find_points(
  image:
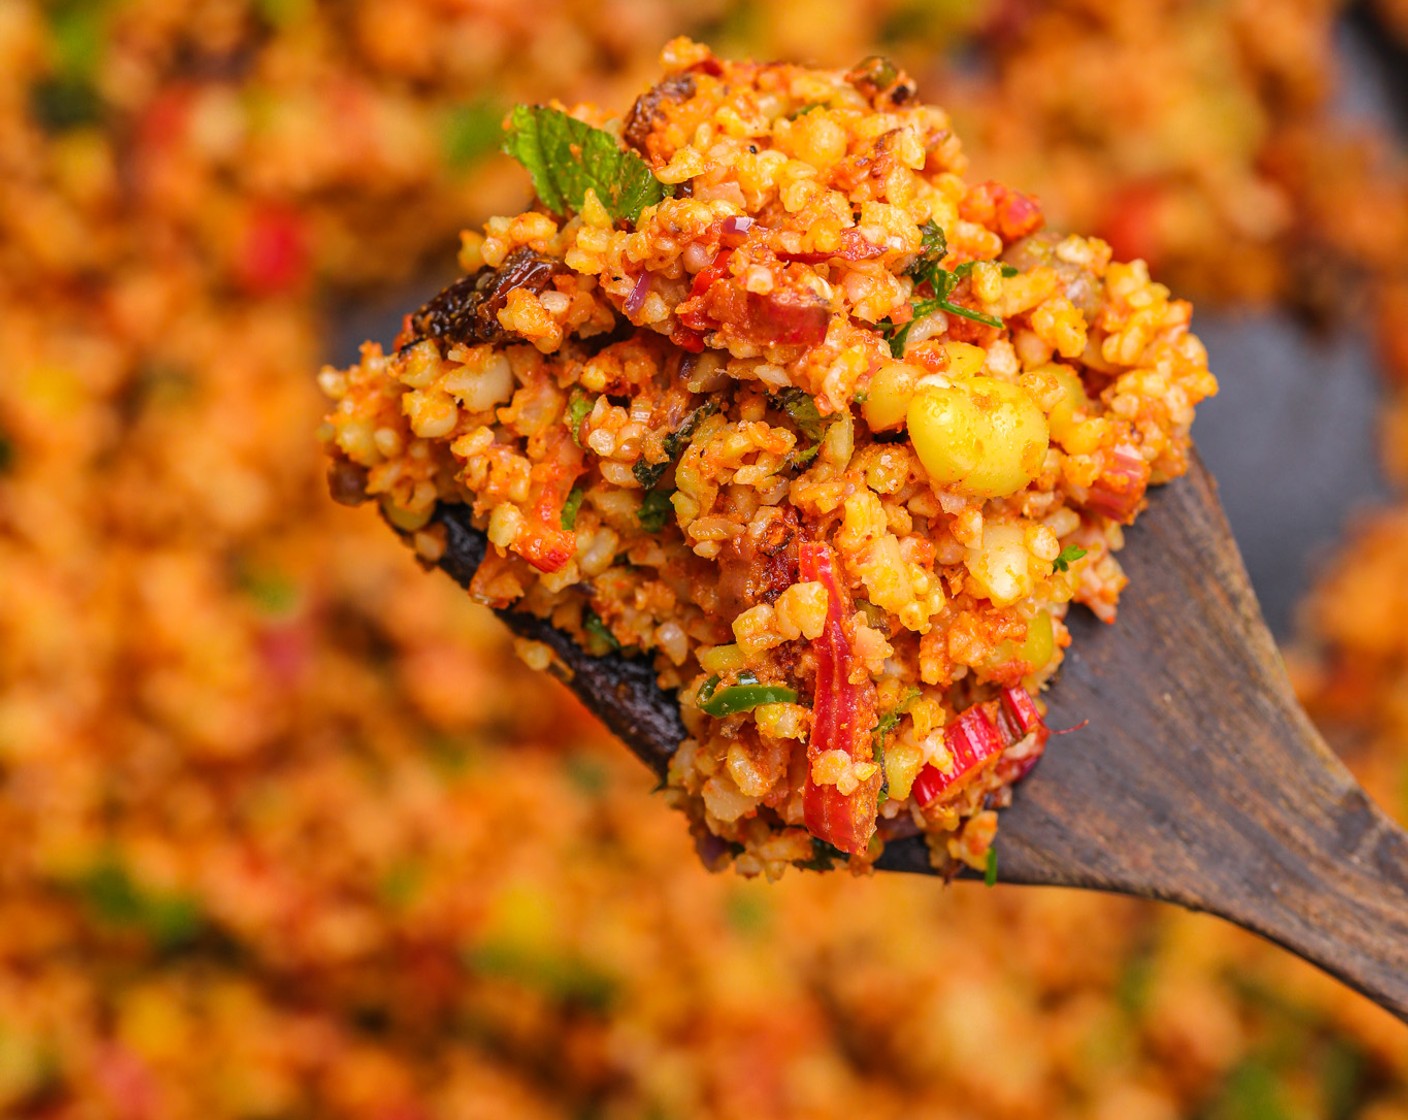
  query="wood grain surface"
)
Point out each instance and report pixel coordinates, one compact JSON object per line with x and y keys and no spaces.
{"x":1198,"y":781}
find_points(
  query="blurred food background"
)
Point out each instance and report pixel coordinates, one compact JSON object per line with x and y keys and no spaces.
{"x":284,"y":828}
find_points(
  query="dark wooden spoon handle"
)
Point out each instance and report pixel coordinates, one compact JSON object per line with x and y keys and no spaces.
{"x":1200,"y":780}
{"x":620,"y":691}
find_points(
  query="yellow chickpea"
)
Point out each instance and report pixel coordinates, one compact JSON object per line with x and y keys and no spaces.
{"x":964,"y":359}
{"x":1065,"y":416}
{"x":1013,"y":437}
{"x":944,"y":426}
{"x":888,"y":396}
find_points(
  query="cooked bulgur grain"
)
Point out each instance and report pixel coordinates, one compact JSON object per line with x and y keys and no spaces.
{"x":841,"y":427}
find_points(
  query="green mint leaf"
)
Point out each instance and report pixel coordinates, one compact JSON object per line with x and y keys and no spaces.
{"x":571,"y":506}
{"x":566,"y":158}
{"x":655,"y":511}
{"x":1069,"y":555}
{"x":470,"y":131}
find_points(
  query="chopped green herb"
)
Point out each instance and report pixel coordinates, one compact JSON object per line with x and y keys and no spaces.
{"x":600,"y":633}
{"x":990,"y":875}
{"x":890,"y":719}
{"x":1253,"y":1090}
{"x":677,"y":440}
{"x":803,"y":411}
{"x":824,"y":856}
{"x":61,"y":104}
{"x":883,"y":727}
{"x":862,"y":395}
{"x":798,"y":459}
{"x":1069,"y":555}
{"x":115,"y":900}
{"x":932,"y":250}
{"x":743,"y":696}
{"x":571,"y":506}
{"x":877,"y":71}
{"x":68,"y":98}
{"x":567,"y":157}
{"x":77,"y":35}
{"x":284,"y":13}
{"x":402,"y":883}
{"x":586,"y":773}
{"x":927,"y":270}
{"x":805,"y":109}
{"x":564,"y":977}
{"x":649,"y":474}
{"x":273,"y":592}
{"x":655,"y":511}
{"x":471,"y":131}
{"x":747,"y":911}
{"x":578,"y":405}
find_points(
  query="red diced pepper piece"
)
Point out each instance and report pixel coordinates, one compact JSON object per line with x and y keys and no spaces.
{"x":1011,"y":213}
{"x":974,"y":745}
{"x":853,"y":247}
{"x":785,"y":316}
{"x":1119,"y":490}
{"x":843,"y":715}
{"x":691,"y":311}
{"x":1017,"y":717}
{"x":274,"y":256}
{"x":544,"y":543}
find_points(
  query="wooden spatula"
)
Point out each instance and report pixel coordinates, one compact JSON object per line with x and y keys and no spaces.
{"x":1199,"y":780}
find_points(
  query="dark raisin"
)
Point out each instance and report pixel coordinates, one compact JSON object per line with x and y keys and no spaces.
{"x":467,"y":311}
{"x":347,"y":482}
{"x":649,"y":110}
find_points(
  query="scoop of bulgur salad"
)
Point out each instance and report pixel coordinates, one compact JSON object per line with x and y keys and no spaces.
{"x":763,"y":389}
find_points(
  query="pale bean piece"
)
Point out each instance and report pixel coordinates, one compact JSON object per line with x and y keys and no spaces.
{"x":1001,"y":565}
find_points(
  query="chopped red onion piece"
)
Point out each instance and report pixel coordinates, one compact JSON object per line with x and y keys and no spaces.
{"x":735,"y":229}
{"x":636,"y":300}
